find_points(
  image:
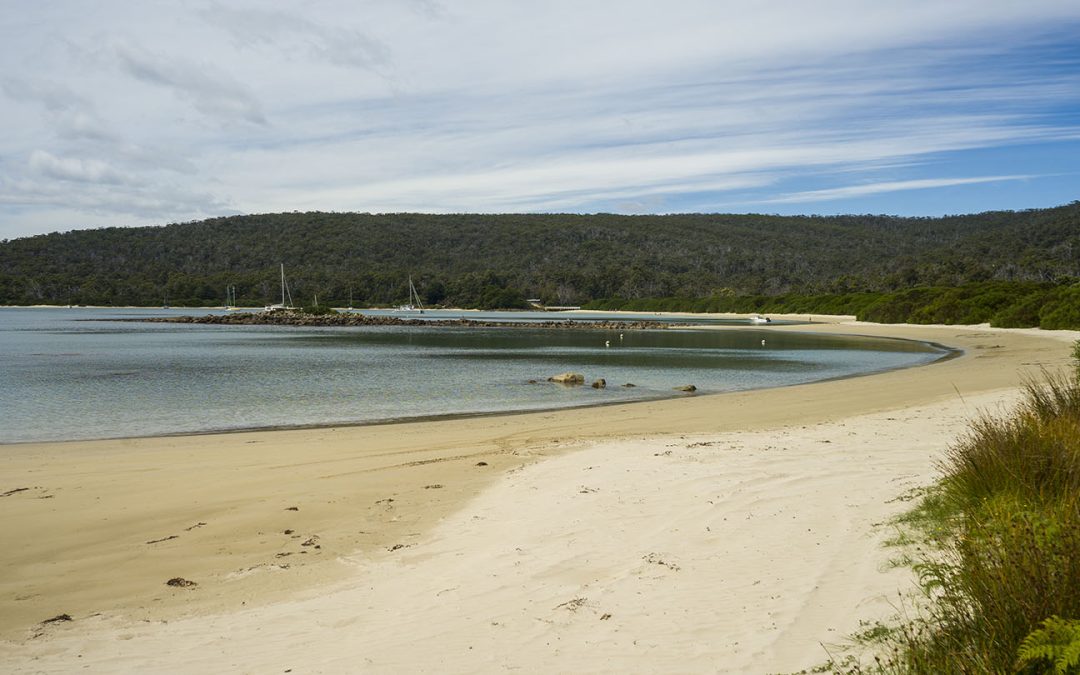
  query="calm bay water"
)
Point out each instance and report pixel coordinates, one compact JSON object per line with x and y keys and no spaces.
{"x":71,"y":374}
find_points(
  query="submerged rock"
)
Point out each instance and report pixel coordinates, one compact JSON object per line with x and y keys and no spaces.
{"x":568,"y":378}
{"x":686,"y":387}
{"x":599,"y":383}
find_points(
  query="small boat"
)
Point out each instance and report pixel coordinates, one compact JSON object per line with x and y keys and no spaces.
{"x":413,"y":304}
{"x":281,"y":306}
{"x":758,"y":319}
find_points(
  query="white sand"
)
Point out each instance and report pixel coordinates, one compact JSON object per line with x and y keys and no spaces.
{"x":737,"y":552}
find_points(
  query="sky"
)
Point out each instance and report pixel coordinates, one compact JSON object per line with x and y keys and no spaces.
{"x":119,"y":113}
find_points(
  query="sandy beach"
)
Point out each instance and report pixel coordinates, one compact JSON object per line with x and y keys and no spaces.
{"x":727,"y":533}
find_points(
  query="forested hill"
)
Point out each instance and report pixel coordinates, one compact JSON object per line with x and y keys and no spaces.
{"x":493,"y":260}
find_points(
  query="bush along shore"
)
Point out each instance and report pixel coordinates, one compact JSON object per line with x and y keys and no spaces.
{"x":998,"y":549}
{"x":301,"y":318}
{"x":1004,"y":304}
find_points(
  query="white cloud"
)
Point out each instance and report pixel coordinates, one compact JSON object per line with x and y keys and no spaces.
{"x":280,"y":30}
{"x":54,"y":97}
{"x":74,"y":169}
{"x":210,"y":90}
{"x":47,"y":206}
{"x":887,"y":186}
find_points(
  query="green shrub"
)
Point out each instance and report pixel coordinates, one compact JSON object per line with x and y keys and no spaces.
{"x":1054,"y":646}
{"x":1034,"y":455}
{"x":1063,"y":312}
{"x":899,"y":307}
{"x":1006,"y":522}
{"x":318,"y":310}
{"x":1022,"y":313}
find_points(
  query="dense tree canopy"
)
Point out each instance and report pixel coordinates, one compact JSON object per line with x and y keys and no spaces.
{"x":1005,"y":304}
{"x":473,"y":260}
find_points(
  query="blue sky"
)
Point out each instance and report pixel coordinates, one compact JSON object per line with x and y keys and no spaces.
{"x":118,"y":113}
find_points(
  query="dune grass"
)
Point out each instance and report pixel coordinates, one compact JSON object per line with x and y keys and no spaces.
{"x":999,"y":561}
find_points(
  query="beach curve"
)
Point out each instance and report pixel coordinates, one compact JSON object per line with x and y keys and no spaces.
{"x":103,"y":524}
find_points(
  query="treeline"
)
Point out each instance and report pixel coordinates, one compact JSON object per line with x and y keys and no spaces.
{"x":486,"y":290}
{"x":1050,"y":306}
{"x":471,"y":260}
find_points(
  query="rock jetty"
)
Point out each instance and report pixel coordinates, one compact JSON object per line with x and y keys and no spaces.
{"x":352,"y":319}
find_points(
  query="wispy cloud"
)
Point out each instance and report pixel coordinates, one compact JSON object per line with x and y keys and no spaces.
{"x":75,"y":169}
{"x":887,"y":186}
{"x":73,"y":114}
{"x":120,"y":203}
{"x":210,"y":90}
{"x":280,"y":30}
{"x":53,"y":96}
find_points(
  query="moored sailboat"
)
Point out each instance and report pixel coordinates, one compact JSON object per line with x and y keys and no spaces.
{"x":230,"y":298}
{"x":413,"y":304}
{"x":281,"y":306}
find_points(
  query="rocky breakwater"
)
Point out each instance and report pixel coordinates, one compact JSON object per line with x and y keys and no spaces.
{"x":351,"y":319}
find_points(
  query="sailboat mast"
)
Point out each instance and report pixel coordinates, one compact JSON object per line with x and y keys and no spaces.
{"x":414,"y":297}
{"x":283,"y":284}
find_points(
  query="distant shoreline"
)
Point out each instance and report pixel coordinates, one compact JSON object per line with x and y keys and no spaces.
{"x":809,"y":317}
{"x":357,"y":319}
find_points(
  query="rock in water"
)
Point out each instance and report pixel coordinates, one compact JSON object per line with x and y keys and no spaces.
{"x":568,"y":378}
{"x":599,"y":384}
{"x":686,"y":387}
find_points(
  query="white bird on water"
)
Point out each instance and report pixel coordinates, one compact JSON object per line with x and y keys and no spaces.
{"x":607,"y":343}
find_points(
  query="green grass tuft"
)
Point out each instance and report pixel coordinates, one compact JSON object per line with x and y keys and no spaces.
{"x":997,"y":549}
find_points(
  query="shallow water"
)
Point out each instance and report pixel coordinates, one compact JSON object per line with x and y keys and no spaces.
{"x":72,"y":374}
